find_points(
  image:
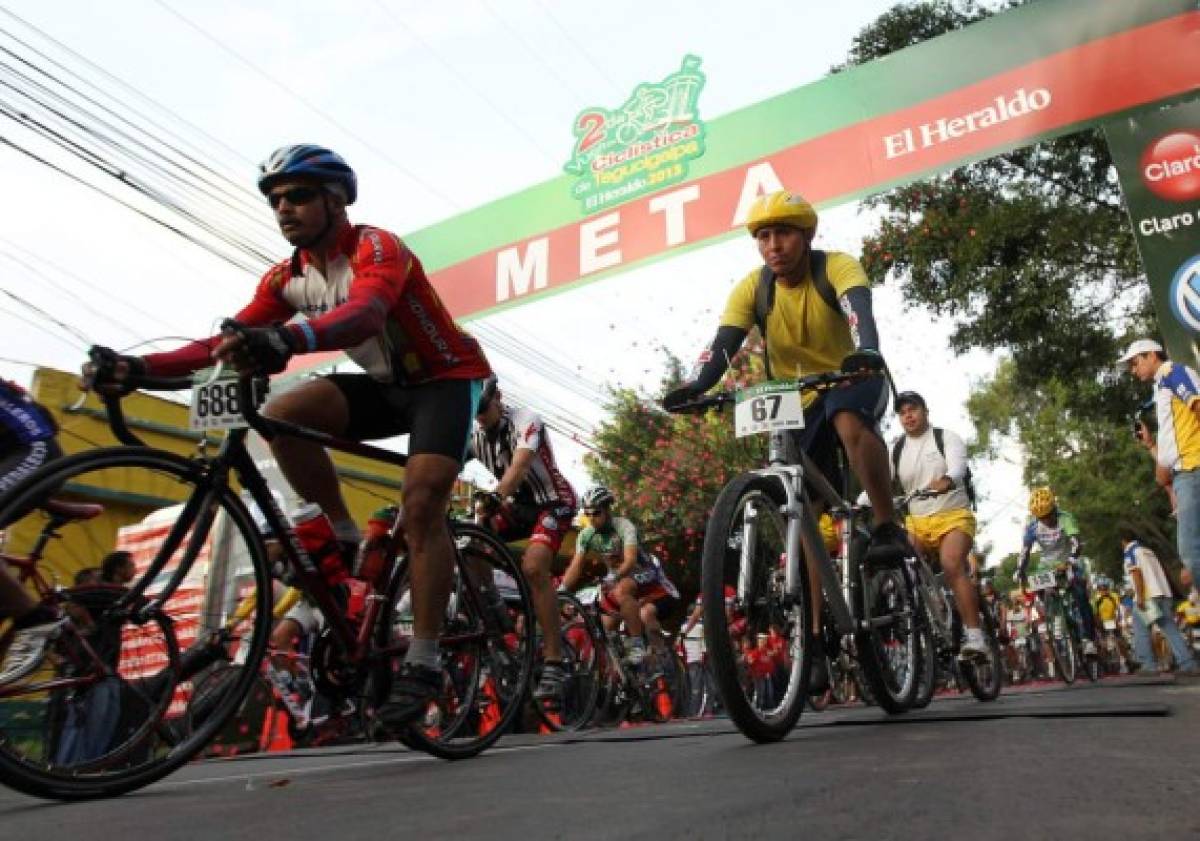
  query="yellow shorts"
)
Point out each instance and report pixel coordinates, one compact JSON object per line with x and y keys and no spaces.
{"x":929,"y":530}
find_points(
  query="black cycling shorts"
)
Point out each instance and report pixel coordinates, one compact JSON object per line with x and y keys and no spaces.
{"x":868,"y":399}
{"x":437,"y":416}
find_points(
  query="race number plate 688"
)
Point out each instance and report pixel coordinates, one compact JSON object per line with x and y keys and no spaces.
{"x":215,"y":404}
{"x":767,"y":408}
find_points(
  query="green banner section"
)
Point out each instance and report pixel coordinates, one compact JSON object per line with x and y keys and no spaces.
{"x":1157,"y":153}
{"x":899,"y":81}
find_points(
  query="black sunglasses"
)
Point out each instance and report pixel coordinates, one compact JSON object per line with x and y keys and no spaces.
{"x":295,"y":196}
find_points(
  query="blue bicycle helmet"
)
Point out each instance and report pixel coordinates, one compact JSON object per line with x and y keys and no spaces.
{"x":305,"y":160}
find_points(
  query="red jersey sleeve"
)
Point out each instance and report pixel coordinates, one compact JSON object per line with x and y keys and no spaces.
{"x":267,"y":307}
{"x":382,"y":266}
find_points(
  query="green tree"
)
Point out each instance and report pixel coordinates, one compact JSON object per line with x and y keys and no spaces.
{"x":1030,"y":253}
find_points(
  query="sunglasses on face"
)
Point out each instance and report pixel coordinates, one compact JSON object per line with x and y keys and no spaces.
{"x":295,"y":196}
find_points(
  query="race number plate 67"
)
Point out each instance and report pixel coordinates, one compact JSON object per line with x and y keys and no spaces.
{"x":215,"y":403}
{"x":767,"y":408}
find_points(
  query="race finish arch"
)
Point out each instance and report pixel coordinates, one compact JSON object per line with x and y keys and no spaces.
{"x":649,"y":179}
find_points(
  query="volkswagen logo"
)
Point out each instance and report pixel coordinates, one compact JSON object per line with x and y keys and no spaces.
{"x":1185,"y":294}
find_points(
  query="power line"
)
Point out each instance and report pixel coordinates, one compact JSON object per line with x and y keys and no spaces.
{"x":405,"y":171}
{"x":75,"y":348}
{"x":578,"y":47}
{"x":125,"y":86}
{"x":551,"y":72}
{"x":69,"y":294}
{"x":172,"y":228}
{"x":465,"y":82}
{"x":107,"y":294}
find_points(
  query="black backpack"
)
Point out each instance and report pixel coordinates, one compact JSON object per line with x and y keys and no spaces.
{"x":939,"y":438}
{"x":764,"y":295}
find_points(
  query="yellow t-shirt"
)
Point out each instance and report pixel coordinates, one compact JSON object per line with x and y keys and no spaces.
{"x":807,"y":336}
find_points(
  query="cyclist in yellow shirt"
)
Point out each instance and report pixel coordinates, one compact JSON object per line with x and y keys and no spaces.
{"x":813,"y":310}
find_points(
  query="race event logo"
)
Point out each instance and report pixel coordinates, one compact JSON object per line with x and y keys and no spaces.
{"x":1185,"y":294}
{"x":644,"y":145}
{"x":1170,"y":166}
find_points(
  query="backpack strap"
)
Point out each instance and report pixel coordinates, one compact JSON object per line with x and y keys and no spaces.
{"x":764,"y":301}
{"x":939,"y":438}
{"x":817,"y":263}
{"x":897,"y":449}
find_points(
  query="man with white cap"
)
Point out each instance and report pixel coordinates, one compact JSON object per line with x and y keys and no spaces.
{"x":1177,"y":450}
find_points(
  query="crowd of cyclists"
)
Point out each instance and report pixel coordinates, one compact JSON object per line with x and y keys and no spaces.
{"x":359,"y":289}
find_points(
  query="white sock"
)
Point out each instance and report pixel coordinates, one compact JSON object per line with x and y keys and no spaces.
{"x":974,"y":634}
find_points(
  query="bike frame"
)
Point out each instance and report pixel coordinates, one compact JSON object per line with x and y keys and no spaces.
{"x":200,"y":510}
{"x":803,"y":537}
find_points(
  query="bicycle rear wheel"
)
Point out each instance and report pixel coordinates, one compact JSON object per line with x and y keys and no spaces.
{"x":890,"y":651}
{"x":487,"y":649}
{"x":986,"y":678}
{"x":581,"y":642}
{"x":105,"y":714}
{"x":747,"y":529}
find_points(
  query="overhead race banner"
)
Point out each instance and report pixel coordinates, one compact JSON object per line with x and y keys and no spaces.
{"x":1157,"y":153}
{"x":642,"y":146}
{"x":1038,"y":71}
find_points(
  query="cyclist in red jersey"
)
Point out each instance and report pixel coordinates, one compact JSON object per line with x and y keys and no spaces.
{"x":359,"y":289}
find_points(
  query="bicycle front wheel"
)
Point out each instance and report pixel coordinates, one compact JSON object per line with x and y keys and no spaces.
{"x":487,"y":649}
{"x":1062,"y":649}
{"x":106,"y":712}
{"x":582,"y":643}
{"x":763,"y":692}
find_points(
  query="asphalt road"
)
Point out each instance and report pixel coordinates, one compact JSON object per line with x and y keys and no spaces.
{"x":1119,"y":760}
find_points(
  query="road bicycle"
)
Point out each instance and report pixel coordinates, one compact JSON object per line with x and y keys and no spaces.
{"x":1062,"y":628}
{"x":762,"y":529}
{"x":653,"y":690}
{"x":939,"y":611}
{"x":582,"y":650}
{"x":139,"y":738}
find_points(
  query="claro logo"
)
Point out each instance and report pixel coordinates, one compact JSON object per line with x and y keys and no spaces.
{"x":1171,"y":166}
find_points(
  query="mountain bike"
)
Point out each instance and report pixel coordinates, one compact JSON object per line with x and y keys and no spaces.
{"x":762,"y":529}
{"x":1061,"y":627}
{"x":653,"y":690}
{"x":212,"y":537}
{"x":940,"y":612}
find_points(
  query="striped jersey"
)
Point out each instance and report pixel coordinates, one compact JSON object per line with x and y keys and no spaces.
{"x":521,"y":429}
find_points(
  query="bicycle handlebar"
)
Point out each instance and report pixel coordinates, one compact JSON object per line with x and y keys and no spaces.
{"x":103,"y":381}
{"x":911,"y":496}
{"x":813,"y":382}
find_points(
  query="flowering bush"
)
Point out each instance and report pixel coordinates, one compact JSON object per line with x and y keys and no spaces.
{"x":666,"y":470}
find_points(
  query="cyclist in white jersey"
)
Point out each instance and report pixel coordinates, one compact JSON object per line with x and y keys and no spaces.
{"x":532,"y":500}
